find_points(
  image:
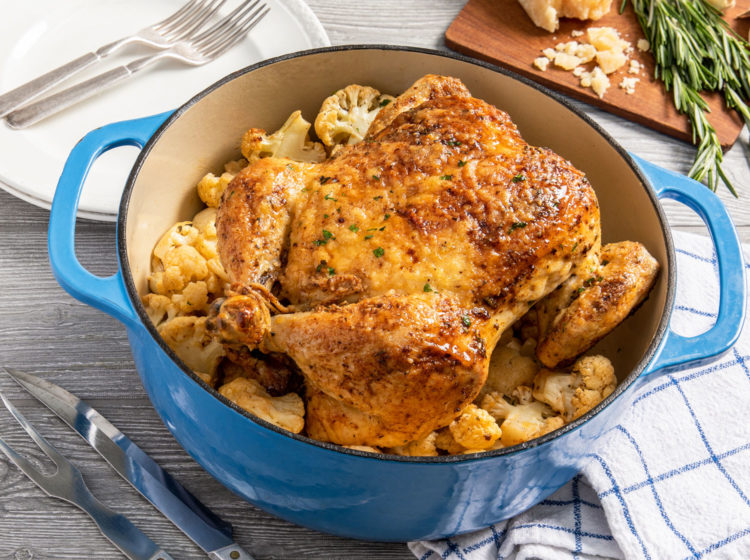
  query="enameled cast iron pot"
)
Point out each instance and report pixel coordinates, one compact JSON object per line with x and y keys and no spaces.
{"x":323,"y":486}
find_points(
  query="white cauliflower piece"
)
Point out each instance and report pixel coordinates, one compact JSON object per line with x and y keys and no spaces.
{"x":591,"y":380}
{"x":345,"y":116}
{"x":424,"y":447}
{"x":188,"y":254}
{"x":190,"y":340}
{"x":520,"y":422}
{"x":475,"y":429}
{"x":509,"y":368}
{"x":286,"y":412}
{"x":290,"y":141}
{"x":211,"y":187}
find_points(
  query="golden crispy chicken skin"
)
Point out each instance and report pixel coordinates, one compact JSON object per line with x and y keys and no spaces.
{"x":593,"y":301}
{"x":399,"y":261}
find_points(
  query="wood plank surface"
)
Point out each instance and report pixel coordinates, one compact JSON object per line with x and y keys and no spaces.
{"x":499,"y":31}
{"x":46,"y":332}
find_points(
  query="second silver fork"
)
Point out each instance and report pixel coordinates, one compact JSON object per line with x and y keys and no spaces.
{"x":179,"y":26}
{"x":67,"y":484}
{"x":205,"y":47}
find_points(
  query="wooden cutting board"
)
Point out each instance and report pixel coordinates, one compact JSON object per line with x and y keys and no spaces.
{"x":500,"y":32}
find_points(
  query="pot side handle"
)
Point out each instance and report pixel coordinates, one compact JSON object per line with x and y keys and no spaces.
{"x":107,"y":294}
{"x":680,"y":352}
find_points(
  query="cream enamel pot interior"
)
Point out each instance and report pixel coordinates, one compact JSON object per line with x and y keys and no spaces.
{"x":323,"y":486}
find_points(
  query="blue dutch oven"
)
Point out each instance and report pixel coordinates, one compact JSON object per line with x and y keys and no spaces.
{"x":323,"y":486}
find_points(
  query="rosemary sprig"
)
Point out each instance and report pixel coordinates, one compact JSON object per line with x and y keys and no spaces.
{"x":695,"y":51}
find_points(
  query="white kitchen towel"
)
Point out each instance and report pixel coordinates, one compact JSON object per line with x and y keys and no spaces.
{"x":671,"y":480}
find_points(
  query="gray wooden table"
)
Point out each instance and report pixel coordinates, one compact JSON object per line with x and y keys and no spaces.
{"x":45,"y":331}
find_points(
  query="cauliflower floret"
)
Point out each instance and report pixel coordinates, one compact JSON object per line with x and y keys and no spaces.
{"x":520,"y":422}
{"x":509,"y":368}
{"x":475,"y":429}
{"x":290,"y":141}
{"x":363,"y":448}
{"x":190,"y":340}
{"x":345,"y":116}
{"x":444,"y":440}
{"x":187,"y":254}
{"x":424,"y":447}
{"x":591,"y":380}
{"x":286,"y":412}
{"x":211,"y":187}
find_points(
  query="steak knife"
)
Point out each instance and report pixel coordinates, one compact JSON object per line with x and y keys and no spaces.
{"x":167,"y":495}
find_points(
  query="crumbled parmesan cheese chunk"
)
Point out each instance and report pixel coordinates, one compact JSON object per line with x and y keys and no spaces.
{"x":585,"y":52}
{"x":576,"y":33}
{"x":643,"y":45}
{"x":549,"y":53}
{"x":566,"y":61}
{"x":578,"y":71}
{"x":541,"y":62}
{"x":547,"y":13}
{"x":599,"y":82}
{"x":610,"y":48}
{"x":635,"y":67}
{"x":609,"y":61}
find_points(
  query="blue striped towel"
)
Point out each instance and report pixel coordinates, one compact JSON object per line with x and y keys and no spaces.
{"x":672,"y":480}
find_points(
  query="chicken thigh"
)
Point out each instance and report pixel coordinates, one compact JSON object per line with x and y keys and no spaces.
{"x":388,"y":272}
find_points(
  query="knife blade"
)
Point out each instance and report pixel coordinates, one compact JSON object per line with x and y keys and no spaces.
{"x":167,"y":495}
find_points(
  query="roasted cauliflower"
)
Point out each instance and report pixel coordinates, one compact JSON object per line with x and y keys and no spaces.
{"x":290,"y":141}
{"x":475,"y":429}
{"x":520,"y":422}
{"x":511,"y":365}
{"x":345,"y":116}
{"x":286,"y":412}
{"x":591,"y":380}
{"x":211,"y":187}
{"x":188,"y":337}
{"x":424,"y":447}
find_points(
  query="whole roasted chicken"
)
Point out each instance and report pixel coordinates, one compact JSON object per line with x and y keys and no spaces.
{"x":388,"y":272}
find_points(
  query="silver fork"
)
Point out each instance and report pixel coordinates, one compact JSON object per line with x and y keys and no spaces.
{"x":67,"y":484}
{"x":203,"y":48}
{"x":177,"y":27}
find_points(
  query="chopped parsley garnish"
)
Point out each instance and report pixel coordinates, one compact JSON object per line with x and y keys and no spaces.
{"x":378,"y":252}
{"x":517,"y":225}
{"x":428,"y":288}
{"x":372,"y":229}
{"x":325,"y":215}
{"x":385,"y":102}
{"x":376,"y":177}
{"x":324,"y":179}
{"x":381,"y":229}
{"x":461,"y":163}
{"x":454,"y":143}
{"x":331,"y":271}
{"x":386,"y":216}
{"x":377,"y":197}
{"x":327,"y":234}
{"x":354,"y":228}
{"x":329,"y":197}
{"x":466,"y":321}
{"x":368,"y":237}
{"x":605,"y":262}
{"x":589,"y":282}
{"x":321,"y":266}
{"x":581,"y":289}
{"x":231,"y":194}
{"x":518,"y":178}
{"x":573,"y":250}
{"x":446,"y":177}
{"x":320,"y":242}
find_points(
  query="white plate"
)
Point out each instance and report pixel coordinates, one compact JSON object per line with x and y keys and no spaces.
{"x":38,"y":36}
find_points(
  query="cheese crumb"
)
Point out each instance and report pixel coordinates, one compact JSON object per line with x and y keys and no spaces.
{"x":643,"y":45}
{"x":547,"y":13}
{"x":635,"y":67}
{"x":628,"y":84}
{"x":599,"y":82}
{"x":576,"y":33}
{"x":585,"y":52}
{"x":610,"y":48}
{"x":549,"y":53}
{"x":578,"y":71}
{"x":541,"y":62}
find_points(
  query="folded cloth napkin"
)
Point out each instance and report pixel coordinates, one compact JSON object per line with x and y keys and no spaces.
{"x":671,"y":480}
